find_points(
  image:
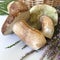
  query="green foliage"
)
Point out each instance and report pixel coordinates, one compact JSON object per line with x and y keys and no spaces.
{"x":3,"y":6}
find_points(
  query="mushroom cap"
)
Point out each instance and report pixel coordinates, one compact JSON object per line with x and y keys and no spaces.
{"x":43,"y":9}
{"x":15,"y":7}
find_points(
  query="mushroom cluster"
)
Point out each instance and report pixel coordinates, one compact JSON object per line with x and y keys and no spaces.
{"x":33,"y":25}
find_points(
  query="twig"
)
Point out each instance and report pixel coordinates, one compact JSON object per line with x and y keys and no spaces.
{"x":24,"y":46}
{"x":27,"y":54}
{"x":13,"y":44}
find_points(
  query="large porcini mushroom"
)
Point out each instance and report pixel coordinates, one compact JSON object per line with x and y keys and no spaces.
{"x":31,"y":36}
{"x":17,"y":11}
{"x":16,"y":22}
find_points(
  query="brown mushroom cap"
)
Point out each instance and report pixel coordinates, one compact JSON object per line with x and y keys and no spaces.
{"x":15,"y":7}
{"x":19,"y":12}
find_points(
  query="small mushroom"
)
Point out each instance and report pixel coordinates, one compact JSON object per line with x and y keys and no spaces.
{"x":31,"y":36}
{"x":17,"y":11}
{"x":47,"y":26}
{"x":42,"y":9}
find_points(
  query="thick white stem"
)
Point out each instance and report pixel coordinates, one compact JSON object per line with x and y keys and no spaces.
{"x":30,"y":36}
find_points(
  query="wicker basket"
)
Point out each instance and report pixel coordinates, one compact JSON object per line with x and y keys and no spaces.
{"x":31,"y":3}
{"x":52,"y":2}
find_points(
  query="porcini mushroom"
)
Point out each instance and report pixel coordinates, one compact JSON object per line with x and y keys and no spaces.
{"x":47,"y":26}
{"x":16,"y":22}
{"x":38,"y":10}
{"x":31,"y":36}
{"x":17,"y":11}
